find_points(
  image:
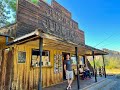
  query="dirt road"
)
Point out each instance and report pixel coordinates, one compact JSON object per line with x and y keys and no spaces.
{"x":117,"y":85}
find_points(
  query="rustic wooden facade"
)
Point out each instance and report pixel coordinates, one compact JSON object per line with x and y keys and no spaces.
{"x":54,"y":24}
{"x":22,"y":76}
{"x":54,"y":19}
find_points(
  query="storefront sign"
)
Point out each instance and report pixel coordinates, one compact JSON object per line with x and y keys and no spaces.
{"x":54,"y":19}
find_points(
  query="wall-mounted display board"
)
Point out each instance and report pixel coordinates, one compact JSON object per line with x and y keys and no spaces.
{"x":21,"y":57}
{"x":57,"y":63}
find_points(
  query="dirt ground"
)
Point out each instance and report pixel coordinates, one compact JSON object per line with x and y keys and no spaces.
{"x":117,"y":85}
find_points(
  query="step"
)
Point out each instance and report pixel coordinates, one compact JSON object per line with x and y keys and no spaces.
{"x":109,"y":86}
{"x":99,"y":85}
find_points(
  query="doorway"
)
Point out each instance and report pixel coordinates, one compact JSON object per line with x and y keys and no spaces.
{"x":64,"y":58}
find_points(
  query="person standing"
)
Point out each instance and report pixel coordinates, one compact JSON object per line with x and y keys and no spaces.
{"x":68,"y":70}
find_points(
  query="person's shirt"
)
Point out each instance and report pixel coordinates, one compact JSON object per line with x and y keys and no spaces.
{"x":81,"y":70}
{"x":68,"y":64}
{"x":86,"y":68}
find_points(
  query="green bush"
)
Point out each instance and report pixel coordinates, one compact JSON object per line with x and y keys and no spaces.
{"x":111,"y":62}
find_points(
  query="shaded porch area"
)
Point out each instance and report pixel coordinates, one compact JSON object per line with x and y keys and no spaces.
{"x":83,"y":84}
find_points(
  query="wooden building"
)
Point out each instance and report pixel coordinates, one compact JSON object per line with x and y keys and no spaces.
{"x":41,"y":29}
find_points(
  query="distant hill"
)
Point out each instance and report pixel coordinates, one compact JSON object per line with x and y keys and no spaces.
{"x":112,"y":60}
{"x":112,"y":52}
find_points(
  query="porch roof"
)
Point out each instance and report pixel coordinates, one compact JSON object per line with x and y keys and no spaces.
{"x":3,"y":38}
{"x":50,"y":41}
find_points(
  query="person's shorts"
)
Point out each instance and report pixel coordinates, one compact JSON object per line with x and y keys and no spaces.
{"x":69,"y":75}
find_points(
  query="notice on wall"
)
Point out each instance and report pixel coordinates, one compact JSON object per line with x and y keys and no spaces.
{"x":57,"y":63}
{"x":73,"y":58}
{"x":21,"y":57}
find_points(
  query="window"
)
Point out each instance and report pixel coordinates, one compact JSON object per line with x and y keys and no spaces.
{"x":81,"y":61}
{"x":36,"y":58}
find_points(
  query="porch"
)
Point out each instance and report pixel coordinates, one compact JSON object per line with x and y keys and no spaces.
{"x":83,"y":84}
{"x":49,"y":42}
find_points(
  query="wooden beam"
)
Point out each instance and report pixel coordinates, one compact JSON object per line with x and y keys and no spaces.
{"x":40,"y":74}
{"x":78,"y":79}
{"x":104,"y":65}
{"x":95,"y":73}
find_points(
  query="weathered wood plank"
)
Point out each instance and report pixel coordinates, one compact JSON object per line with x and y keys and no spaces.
{"x":47,"y":18}
{"x":6,"y":73}
{"x":58,"y":7}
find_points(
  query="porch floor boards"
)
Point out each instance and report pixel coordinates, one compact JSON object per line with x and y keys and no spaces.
{"x":83,"y":84}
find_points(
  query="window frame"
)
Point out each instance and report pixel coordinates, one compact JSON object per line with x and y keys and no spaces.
{"x":42,"y":55}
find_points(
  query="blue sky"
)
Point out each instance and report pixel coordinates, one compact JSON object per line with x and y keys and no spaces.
{"x":99,"y":19}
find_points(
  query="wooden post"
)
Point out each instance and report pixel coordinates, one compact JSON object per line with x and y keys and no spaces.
{"x":104,"y":65}
{"x":95,"y":72}
{"x":6,"y":40}
{"x":78,"y":79}
{"x":40,"y":53}
{"x":84,"y":59}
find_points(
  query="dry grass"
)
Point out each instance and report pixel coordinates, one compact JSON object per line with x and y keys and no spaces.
{"x":113,"y":71}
